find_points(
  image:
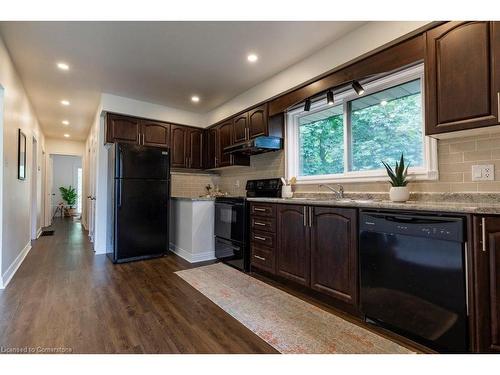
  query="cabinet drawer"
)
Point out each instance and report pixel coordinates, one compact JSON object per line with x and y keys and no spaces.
{"x":267,"y":224}
{"x":263,"y":238}
{"x":262,"y":259}
{"x":262,"y":209}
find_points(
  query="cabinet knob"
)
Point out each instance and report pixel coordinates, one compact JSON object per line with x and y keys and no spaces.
{"x":259,"y":257}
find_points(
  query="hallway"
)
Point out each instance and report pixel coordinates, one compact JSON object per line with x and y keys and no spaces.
{"x":65,"y":297}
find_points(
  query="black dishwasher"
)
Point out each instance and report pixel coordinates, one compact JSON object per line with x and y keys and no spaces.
{"x":413,"y":277}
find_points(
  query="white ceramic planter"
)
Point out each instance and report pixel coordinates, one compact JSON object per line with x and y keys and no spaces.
{"x":399,"y":194}
{"x":286,"y":191}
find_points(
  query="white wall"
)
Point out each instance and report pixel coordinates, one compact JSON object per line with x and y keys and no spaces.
{"x":120,"y":104}
{"x":368,"y":37}
{"x":65,"y":174}
{"x":54,"y":146}
{"x":15,"y":195}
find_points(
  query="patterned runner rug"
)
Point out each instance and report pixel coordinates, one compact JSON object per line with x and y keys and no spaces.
{"x":285,"y":322}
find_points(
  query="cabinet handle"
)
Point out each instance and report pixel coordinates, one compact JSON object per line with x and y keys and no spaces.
{"x":259,"y":223}
{"x":466,"y":265}
{"x":260,"y":238}
{"x":483,"y":227}
{"x":310,"y":217}
{"x":259,"y":209}
{"x":258,"y":257}
{"x":305,"y":216}
{"x":498,"y":106}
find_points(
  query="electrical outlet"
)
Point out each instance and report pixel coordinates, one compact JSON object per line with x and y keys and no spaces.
{"x":483,"y":172}
{"x":237,"y":183}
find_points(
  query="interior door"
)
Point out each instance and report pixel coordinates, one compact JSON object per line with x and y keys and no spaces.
{"x":91,"y":194}
{"x":48,"y":191}
{"x":293,"y":251}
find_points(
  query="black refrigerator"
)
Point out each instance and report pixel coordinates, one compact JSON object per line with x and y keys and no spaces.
{"x":138,"y":208}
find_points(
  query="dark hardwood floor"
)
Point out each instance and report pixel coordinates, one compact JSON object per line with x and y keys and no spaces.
{"x":64,"y":296}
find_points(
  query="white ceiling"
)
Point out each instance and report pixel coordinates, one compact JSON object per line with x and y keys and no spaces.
{"x":159,"y":62}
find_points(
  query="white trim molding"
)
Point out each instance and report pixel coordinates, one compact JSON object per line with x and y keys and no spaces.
{"x":10,"y":272}
{"x":192,"y":257}
{"x":429,"y":171}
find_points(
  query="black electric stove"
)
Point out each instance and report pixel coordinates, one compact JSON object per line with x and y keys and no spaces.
{"x":231,"y":218}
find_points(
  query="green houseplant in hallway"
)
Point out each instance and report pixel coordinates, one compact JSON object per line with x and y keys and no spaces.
{"x":399,"y":190}
{"x":69,"y":195}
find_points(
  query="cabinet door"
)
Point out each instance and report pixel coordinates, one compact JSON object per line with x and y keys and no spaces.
{"x":178,"y":146}
{"x":334,"y":269}
{"x":462,"y":70}
{"x":195,"y":147}
{"x":293,"y":255}
{"x":240,"y":124}
{"x":487,"y":283}
{"x":122,"y":129}
{"x":155,"y":133}
{"x":210,"y":146}
{"x":257,"y":121}
{"x":224,"y":140}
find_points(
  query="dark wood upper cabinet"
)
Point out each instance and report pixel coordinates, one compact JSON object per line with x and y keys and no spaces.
{"x":257,"y":122}
{"x":195,"y":148}
{"x":225,"y":139}
{"x":155,"y":133}
{"x":122,"y":129}
{"x":487,"y":283}
{"x":240,"y":130}
{"x":178,"y":146}
{"x":210,"y":148}
{"x":334,"y":267}
{"x":293,"y":255}
{"x":462,"y":73}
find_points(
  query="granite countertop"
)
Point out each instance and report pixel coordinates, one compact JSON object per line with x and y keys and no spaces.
{"x":441,"y":206}
{"x":194,"y":199}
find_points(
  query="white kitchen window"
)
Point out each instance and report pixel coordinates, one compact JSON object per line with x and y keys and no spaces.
{"x":347,"y":141}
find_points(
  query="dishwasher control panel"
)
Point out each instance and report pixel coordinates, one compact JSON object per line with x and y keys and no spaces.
{"x":438,"y":227}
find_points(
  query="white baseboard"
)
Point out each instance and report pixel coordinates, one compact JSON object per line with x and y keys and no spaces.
{"x":85,"y":225}
{"x":190,"y":257}
{"x":9,"y":274}
{"x":38,"y":232}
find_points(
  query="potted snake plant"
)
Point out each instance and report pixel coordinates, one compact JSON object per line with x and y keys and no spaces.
{"x":399,"y":190}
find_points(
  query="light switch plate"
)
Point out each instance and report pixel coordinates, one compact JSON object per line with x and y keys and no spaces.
{"x":483,"y":172}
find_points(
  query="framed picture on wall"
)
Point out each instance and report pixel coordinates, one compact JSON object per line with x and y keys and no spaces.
{"x":21,"y":155}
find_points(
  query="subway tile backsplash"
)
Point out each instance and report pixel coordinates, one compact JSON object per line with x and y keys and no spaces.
{"x":455,"y":157}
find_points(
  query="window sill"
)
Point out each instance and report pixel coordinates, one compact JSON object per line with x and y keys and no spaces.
{"x":376,"y":176}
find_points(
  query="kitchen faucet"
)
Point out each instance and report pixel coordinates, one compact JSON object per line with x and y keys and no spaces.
{"x":339,"y":194}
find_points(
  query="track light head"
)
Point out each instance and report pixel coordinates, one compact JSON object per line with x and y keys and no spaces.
{"x":329,"y":97}
{"x":307,"y":105}
{"x":357,"y":87}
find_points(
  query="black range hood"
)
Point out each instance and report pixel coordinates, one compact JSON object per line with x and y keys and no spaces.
{"x":256,"y":146}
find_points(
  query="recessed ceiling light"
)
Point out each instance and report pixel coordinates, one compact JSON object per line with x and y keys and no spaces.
{"x":195,"y":99}
{"x":252,"y":57}
{"x":64,"y":102}
{"x":63,"y":66}
{"x":66,"y":135}
{"x":65,"y":122}
{"x":383,"y":102}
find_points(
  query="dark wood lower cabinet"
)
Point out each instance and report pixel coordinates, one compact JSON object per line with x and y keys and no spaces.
{"x":334,"y":260}
{"x":487,"y":283}
{"x":293,"y":254}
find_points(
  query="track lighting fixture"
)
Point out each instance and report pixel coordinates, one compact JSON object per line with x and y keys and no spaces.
{"x":357,"y":87}
{"x":329,"y":97}
{"x":307,"y":105}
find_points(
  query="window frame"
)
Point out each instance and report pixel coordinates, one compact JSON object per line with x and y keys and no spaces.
{"x":429,"y":171}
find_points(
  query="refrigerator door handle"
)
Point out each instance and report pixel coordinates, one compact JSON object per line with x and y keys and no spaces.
{"x":119,"y":193}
